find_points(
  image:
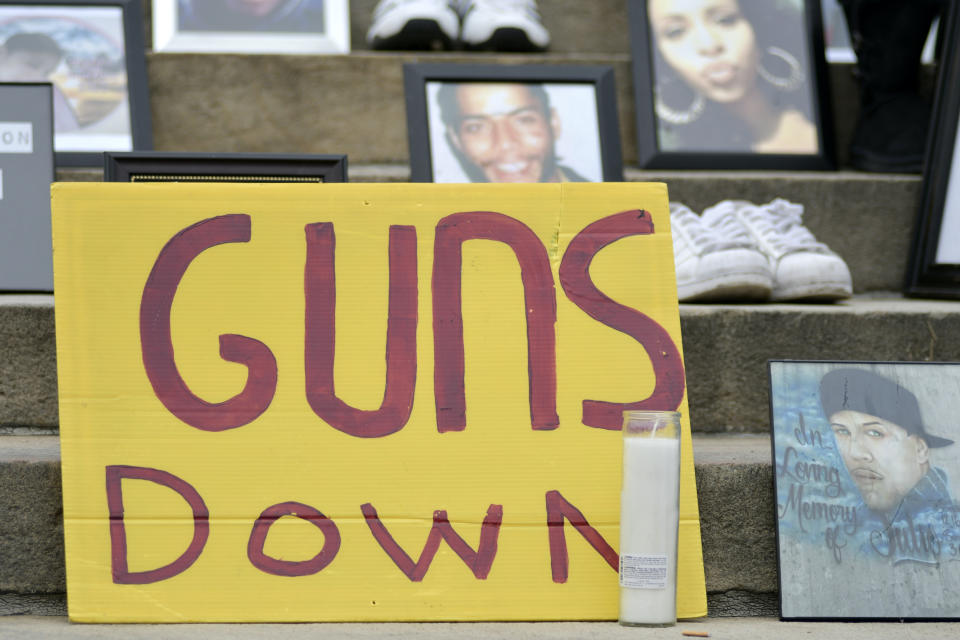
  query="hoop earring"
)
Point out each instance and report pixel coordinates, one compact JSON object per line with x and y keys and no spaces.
{"x":675,"y":116}
{"x":790,"y":82}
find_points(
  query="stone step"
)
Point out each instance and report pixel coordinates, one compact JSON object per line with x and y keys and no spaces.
{"x":351,"y":104}
{"x":738,"y":545}
{"x":867,"y":218}
{"x":16,"y":627}
{"x":726,"y":348}
{"x":202,"y":102}
{"x":575,"y":26}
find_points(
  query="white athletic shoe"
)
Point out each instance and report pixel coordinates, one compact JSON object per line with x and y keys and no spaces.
{"x":803,"y":268}
{"x":421,"y":25}
{"x":716,"y":265}
{"x":502,"y":25}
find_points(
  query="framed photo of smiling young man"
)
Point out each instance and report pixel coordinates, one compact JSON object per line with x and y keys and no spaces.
{"x":521,"y":123}
{"x":730,"y":84}
{"x":866,"y":463}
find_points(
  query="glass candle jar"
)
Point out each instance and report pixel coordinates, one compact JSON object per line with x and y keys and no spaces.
{"x":649,"y":518}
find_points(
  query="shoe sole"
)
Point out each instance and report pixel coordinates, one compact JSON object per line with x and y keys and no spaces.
{"x":813,"y":292}
{"x":727,"y":288}
{"x":506,"y":39}
{"x":416,"y":35}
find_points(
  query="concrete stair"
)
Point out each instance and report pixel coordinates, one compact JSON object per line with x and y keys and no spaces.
{"x":354,"y":104}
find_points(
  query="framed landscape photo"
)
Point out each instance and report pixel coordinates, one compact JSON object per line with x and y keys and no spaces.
{"x":26,"y":171}
{"x":92,"y":52}
{"x":866,"y":467}
{"x":260,"y":26}
{"x":160,"y":166}
{"x":524,"y":123}
{"x":731,"y":84}
{"x":934,"y":267}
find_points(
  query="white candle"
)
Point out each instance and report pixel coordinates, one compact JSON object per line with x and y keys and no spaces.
{"x":649,"y":517}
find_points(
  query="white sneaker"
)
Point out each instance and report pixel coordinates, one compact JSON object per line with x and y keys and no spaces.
{"x":713,"y":265}
{"x":414,"y":25}
{"x":803,"y":268}
{"x":502,"y":25}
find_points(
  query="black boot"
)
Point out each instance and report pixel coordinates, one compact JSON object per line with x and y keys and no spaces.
{"x":888,"y":38}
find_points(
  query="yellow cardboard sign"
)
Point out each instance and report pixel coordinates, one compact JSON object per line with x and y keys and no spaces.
{"x":358,"y":402}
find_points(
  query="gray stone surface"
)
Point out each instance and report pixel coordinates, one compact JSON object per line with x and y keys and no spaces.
{"x":738,"y":530}
{"x":755,"y":628}
{"x":31,"y":516}
{"x":738,"y":527}
{"x":47,"y":604}
{"x":28,"y":369}
{"x":726,"y":348}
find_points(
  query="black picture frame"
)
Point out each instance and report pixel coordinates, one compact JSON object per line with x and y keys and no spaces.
{"x":164,"y":166}
{"x":706,"y":135}
{"x":879,"y":541}
{"x":932,"y":270}
{"x":132,"y":131}
{"x":598,"y":86}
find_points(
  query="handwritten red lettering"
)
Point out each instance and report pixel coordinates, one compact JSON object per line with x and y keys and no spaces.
{"x":118,"y":530}
{"x":277,"y":567}
{"x":577,"y":284}
{"x":157,"y":346}
{"x":541,"y":312}
{"x":559,"y":508}
{"x":479,"y":561}
{"x":320,"y":333}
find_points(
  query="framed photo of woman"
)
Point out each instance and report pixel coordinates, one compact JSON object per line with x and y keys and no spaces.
{"x":512,"y":123}
{"x":92,"y":52}
{"x":934,"y":267}
{"x":731,"y":84}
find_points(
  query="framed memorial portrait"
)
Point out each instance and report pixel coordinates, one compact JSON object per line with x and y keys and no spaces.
{"x":523,"y":123}
{"x":933,"y":269}
{"x":162,"y":166}
{"x":866,"y":465}
{"x":92,"y":52}
{"x":731,"y":84}
{"x":241,"y":26}
{"x":26,"y":172}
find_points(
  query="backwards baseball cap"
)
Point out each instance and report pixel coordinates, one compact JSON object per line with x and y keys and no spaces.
{"x":867,"y":392}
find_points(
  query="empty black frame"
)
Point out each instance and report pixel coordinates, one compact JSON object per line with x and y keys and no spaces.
{"x":162,"y":166}
{"x":604,"y":134}
{"x":933,"y":269}
{"x":793,"y":82}
{"x":123,"y":117}
{"x":865,"y":468}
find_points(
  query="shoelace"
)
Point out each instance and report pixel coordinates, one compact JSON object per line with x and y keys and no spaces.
{"x":780,"y":224}
{"x":385,"y":6}
{"x":698,"y":235}
{"x":729,"y":227}
{"x":501,"y":6}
